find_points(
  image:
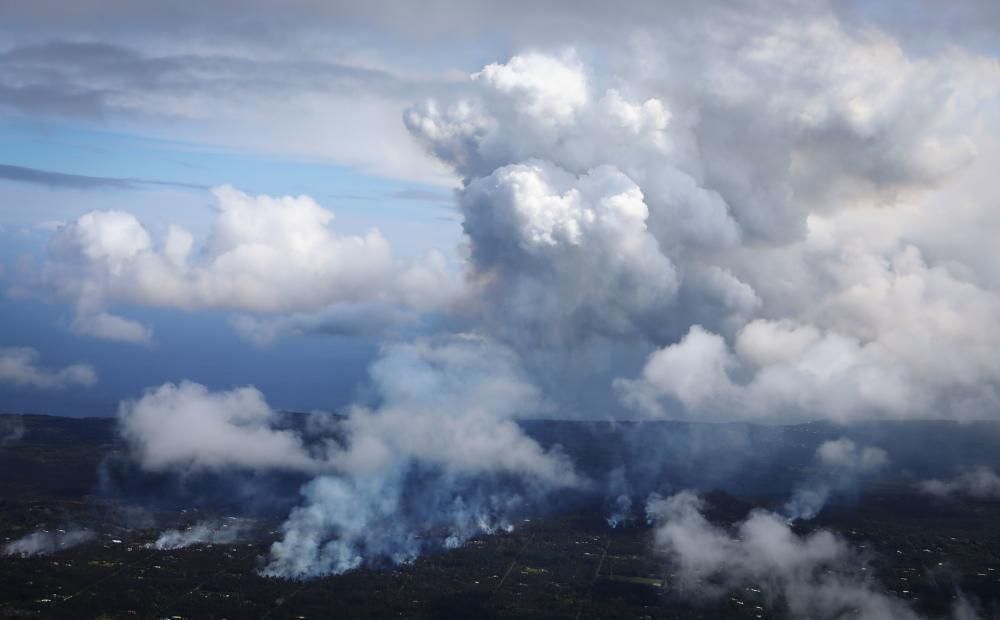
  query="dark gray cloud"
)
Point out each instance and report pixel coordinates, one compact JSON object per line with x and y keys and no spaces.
{"x":59,"y":179}
{"x":521,"y":22}
{"x":49,"y":178}
{"x":87,"y":79}
{"x":423,"y":24}
{"x":371,"y":320}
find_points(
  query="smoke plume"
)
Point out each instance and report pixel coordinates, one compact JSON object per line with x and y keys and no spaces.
{"x":842,"y":466}
{"x":809,"y":576}
{"x":980,"y":483}
{"x":222,"y":531}
{"x":439,"y":460}
{"x":45,"y":542}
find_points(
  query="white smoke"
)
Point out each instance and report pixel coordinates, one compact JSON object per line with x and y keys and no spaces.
{"x":843,"y":465}
{"x":619,"y":498}
{"x":45,"y":542}
{"x":12,"y":429}
{"x":980,"y":483}
{"x":221,"y":532}
{"x":811,"y":576}
{"x":439,"y":460}
{"x":185,"y":427}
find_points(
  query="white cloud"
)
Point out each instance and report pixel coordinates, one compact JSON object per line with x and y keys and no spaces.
{"x":555,"y":250}
{"x":544,"y":87}
{"x":786,"y":213}
{"x":891,"y":337}
{"x":263,"y":255}
{"x":107,"y":326}
{"x":19,"y":366}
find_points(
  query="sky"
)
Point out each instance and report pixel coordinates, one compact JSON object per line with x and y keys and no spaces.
{"x":59,"y":162}
{"x":797,"y":175}
{"x":439,"y":219}
{"x":787,"y":131}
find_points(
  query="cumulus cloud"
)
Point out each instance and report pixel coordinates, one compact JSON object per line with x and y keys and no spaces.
{"x":815,"y":575}
{"x":263,"y":255}
{"x":46,"y":542}
{"x":544,"y":87}
{"x":979,"y":483}
{"x":19,"y":366}
{"x":767,"y":164}
{"x":563,"y":255}
{"x":783,"y":369}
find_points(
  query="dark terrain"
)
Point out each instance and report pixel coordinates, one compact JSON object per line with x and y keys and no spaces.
{"x":63,"y":473}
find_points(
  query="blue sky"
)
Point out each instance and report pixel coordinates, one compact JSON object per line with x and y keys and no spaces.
{"x":171,"y":181}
